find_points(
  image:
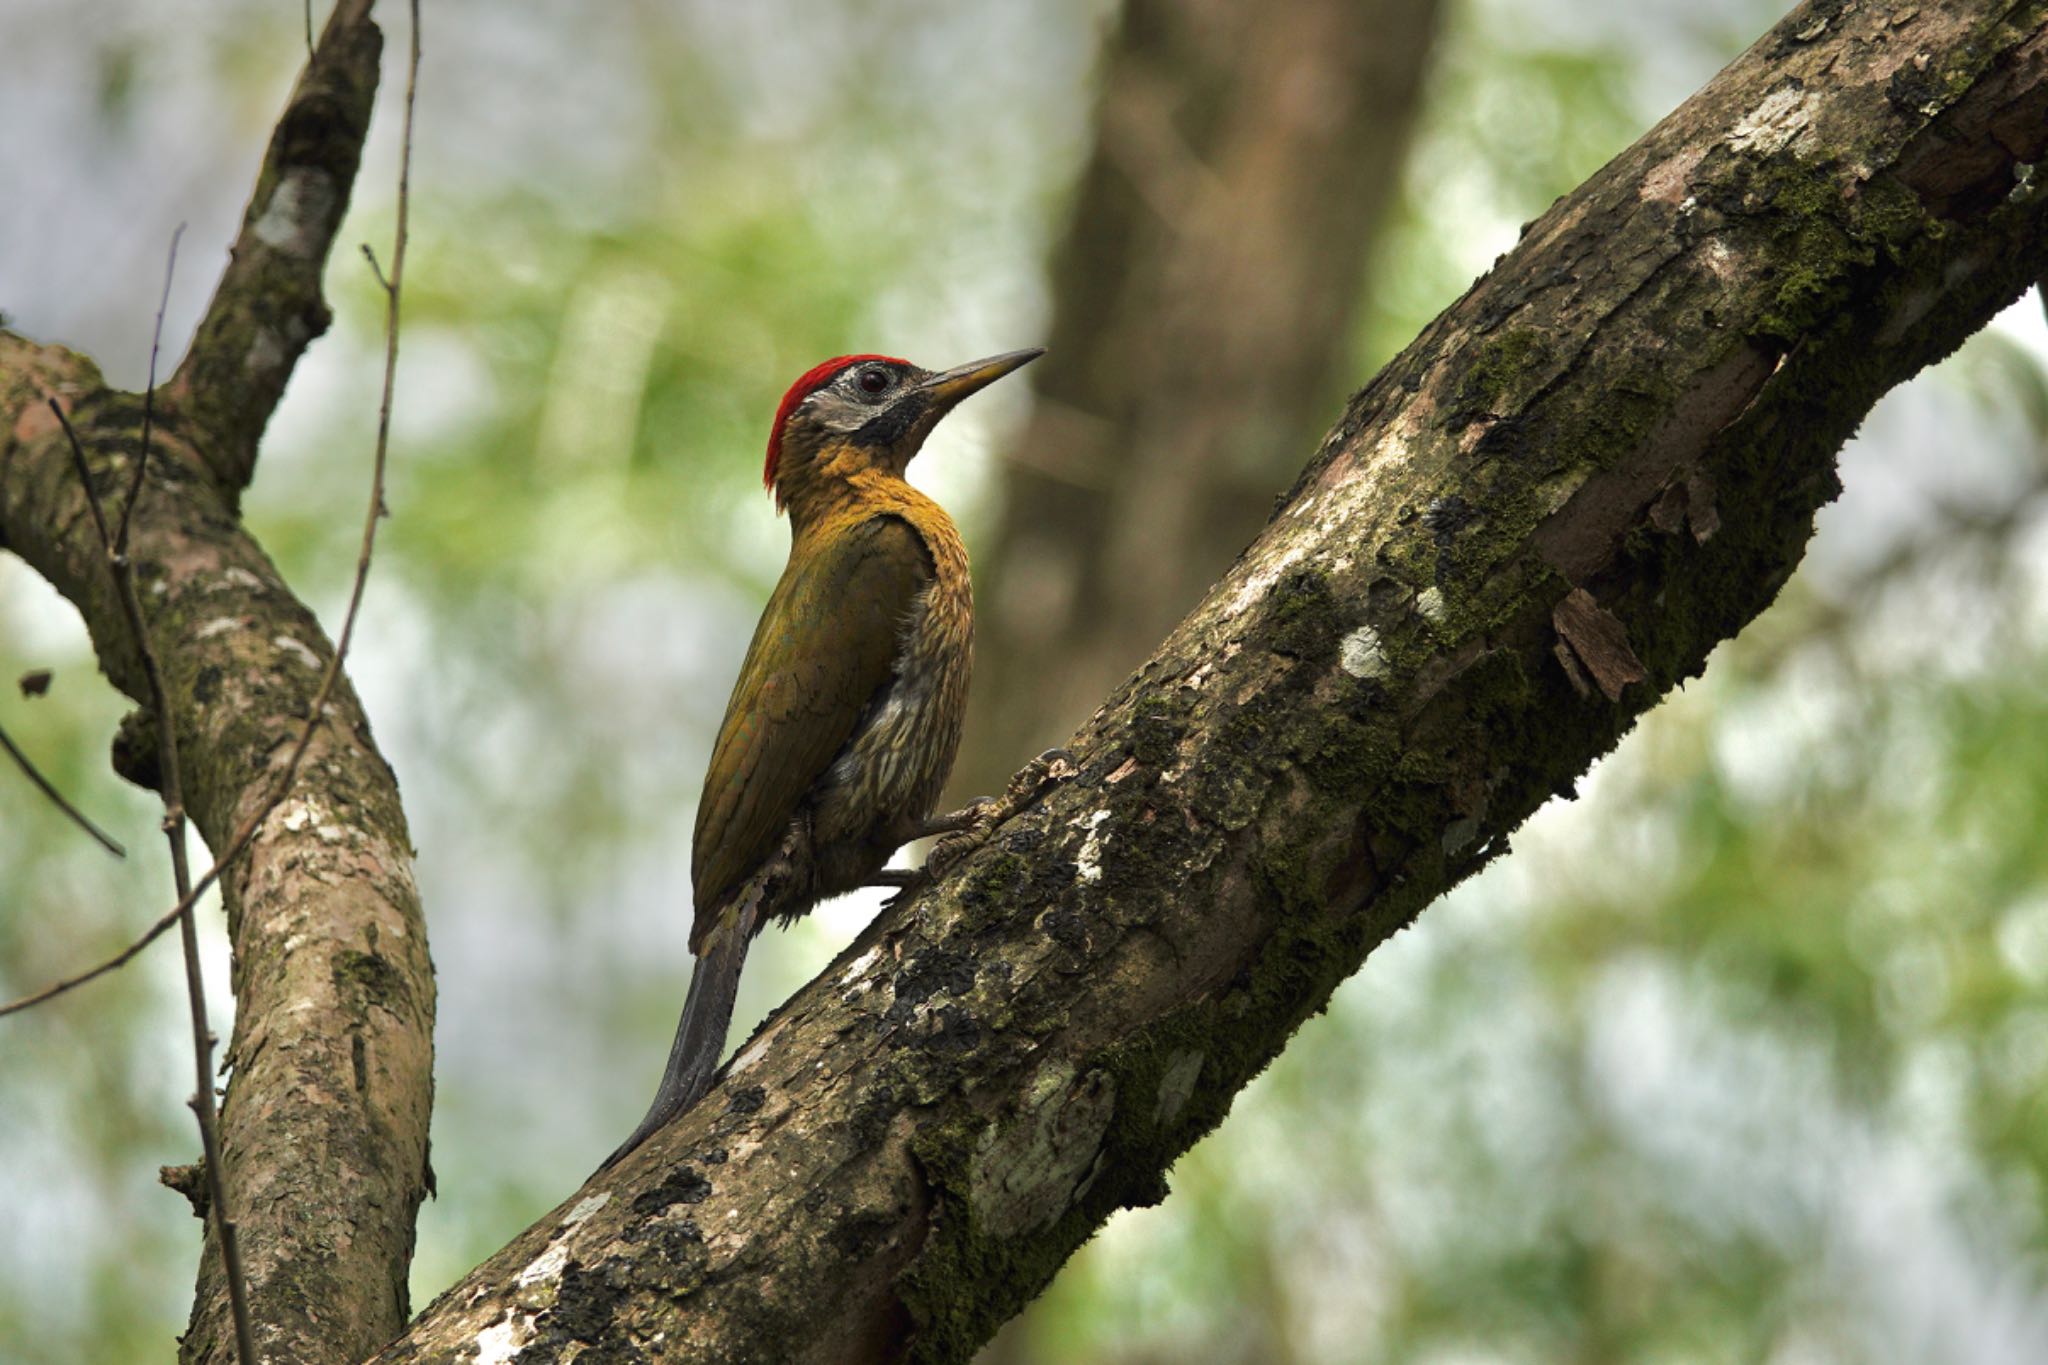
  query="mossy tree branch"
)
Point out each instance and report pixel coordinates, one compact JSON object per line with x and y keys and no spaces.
{"x":1542,"y":516}
{"x":324,"y":1128}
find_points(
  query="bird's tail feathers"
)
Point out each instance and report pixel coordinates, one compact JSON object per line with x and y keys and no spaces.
{"x":700,"y":1033}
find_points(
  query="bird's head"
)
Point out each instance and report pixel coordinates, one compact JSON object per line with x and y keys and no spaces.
{"x":866,"y":412}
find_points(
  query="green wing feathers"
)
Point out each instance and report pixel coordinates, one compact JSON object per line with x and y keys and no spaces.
{"x":826,"y":645}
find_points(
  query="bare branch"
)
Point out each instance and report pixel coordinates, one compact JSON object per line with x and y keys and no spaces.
{"x":269,"y":305}
{"x":43,"y":784}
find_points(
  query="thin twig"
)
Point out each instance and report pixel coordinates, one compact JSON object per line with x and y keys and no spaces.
{"x":392,"y":288}
{"x":156,"y":341}
{"x":370,"y":255}
{"x":309,"y":31}
{"x":120,"y":959}
{"x":78,"y":817}
{"x":181,"y":873}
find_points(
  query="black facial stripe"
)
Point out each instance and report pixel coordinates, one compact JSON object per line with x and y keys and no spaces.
{"x":892,"y":423}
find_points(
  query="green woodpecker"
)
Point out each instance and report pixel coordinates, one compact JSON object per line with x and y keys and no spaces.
{"x":846,"y":716}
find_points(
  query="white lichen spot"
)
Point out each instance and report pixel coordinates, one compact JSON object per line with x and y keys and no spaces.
{"x":1666,"y":181}
{"x":1261,"y":580}
{"x":1459,"y":834}
{"x":860,"y":964}
{"x":297,"y":650}
{"x":498,"y":1343}
{"x":1392,"y":451}
{"x":586,"y":1208}
{"x":547,"y":1266}
{"x":292,"y":220}
{"x":219,"y":625}
{"x":1176,"y":1085}
{"x":1361,"y":654}
{"x":1028,"y":1170}
{"x":1088,"y":862}
{"x":1720,"y":260}
{"x":266,"y":352}
{"x":751,"y":1055}
{"x":1430,"y":602}
{"x":1784,"y":117}
{"x":238,"y":577}
{"x":301,"y":814}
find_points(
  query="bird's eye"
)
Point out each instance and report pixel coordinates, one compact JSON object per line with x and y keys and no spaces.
{"x":873,"y":380}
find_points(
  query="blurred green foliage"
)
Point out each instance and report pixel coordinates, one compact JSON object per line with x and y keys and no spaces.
{"x":1739,"y":1057}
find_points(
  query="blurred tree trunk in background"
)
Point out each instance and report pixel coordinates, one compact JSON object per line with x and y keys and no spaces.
{"x":1245,"y":156}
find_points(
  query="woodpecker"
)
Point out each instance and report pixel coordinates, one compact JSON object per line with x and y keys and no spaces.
{"x":844,"y":722}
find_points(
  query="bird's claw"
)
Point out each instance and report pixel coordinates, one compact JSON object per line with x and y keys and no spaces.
{"x":981,"y":817}
{"x":1037,"y":777}
{"x":972,"y":834}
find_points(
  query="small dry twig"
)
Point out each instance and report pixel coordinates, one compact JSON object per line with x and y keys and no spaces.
{"x":156,"y":341}
{"x":78,"y":817}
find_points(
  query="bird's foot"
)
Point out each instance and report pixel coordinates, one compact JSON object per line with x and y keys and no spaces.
{"x":967,"y":830}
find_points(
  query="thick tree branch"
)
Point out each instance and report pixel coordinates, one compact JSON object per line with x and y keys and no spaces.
{"x":1600,"y":462}
{"x":269,"y":305}
{"x":324,"y":1127}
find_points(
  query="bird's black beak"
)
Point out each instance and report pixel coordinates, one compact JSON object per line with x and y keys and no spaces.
{"x":949,"y":387}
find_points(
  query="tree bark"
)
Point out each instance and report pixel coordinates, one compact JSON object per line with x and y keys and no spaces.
{"x":1601,"y":461}
{"x":324,"y":1128}
{"x":1205,"y":296}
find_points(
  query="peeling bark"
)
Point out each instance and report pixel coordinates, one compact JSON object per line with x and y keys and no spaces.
{"x":1600,"y":462}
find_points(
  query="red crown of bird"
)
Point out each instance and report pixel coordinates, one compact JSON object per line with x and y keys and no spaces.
{"x":813,"y":379}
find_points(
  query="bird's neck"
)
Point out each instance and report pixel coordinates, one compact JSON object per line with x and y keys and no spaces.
{"x":825,"y":506}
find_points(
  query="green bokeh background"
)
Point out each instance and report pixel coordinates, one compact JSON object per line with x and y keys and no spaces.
{"x":1739,"y":1057}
